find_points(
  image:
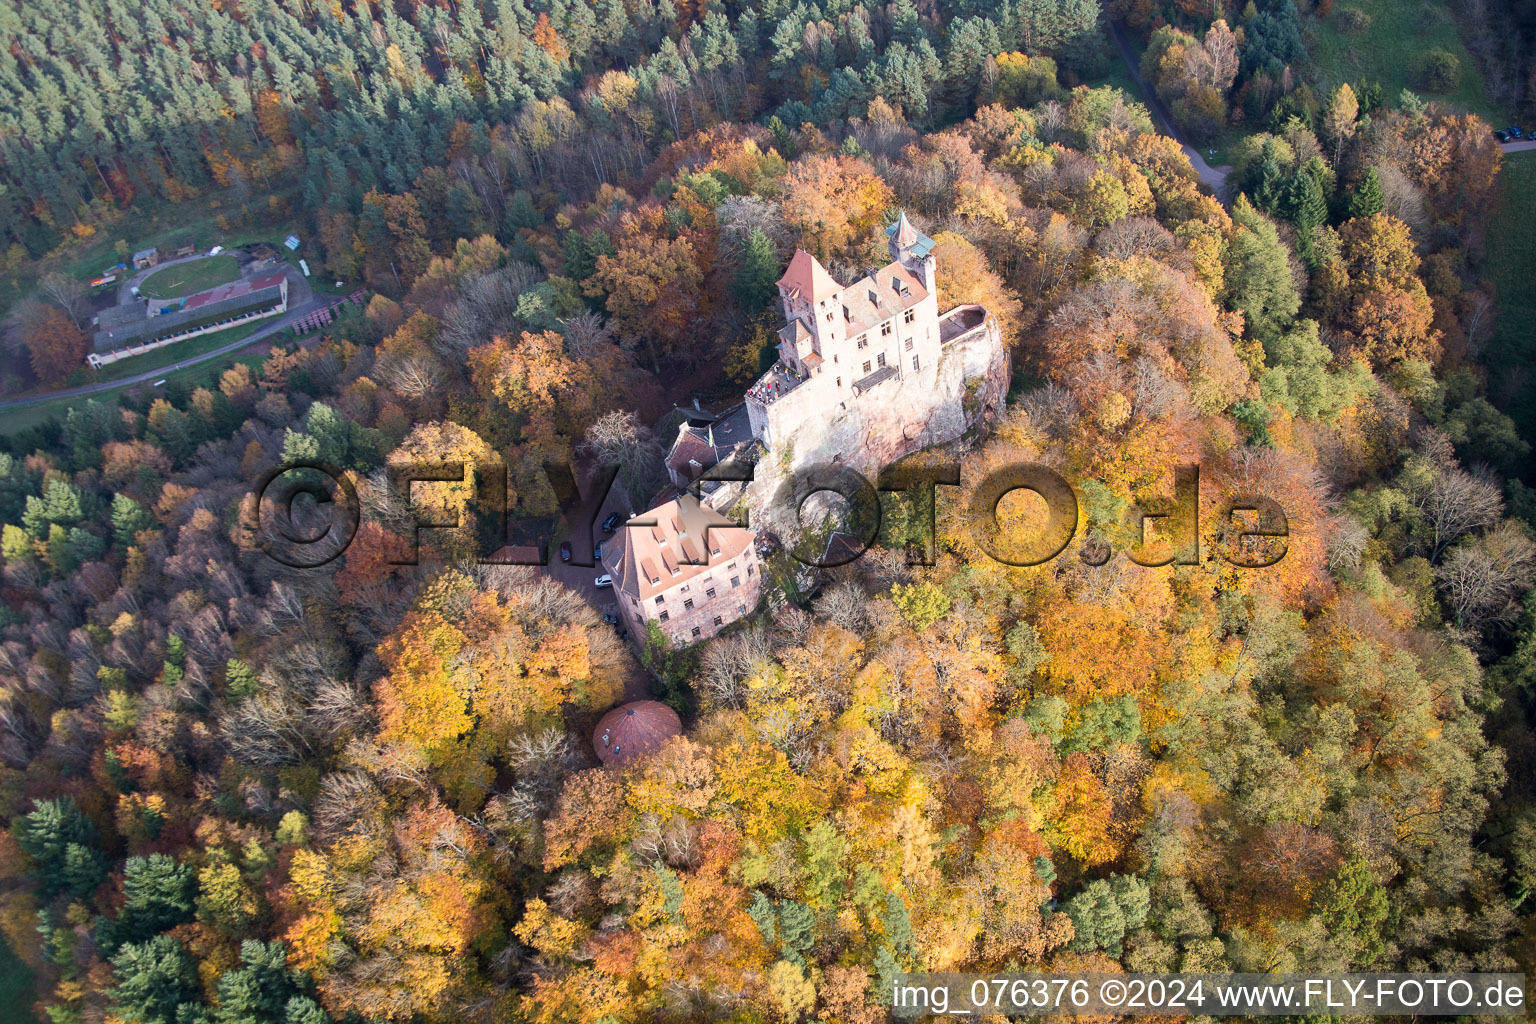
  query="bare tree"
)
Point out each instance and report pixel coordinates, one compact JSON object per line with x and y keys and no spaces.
{"x":1456,"y":503}
{"x":68,"y":292}
{"x":586,"y":334}
{"x":414,"y":376}
{"x":727,"y":665}
{"x":619,"y":439}
{"x":1482,"y":580}
{"x":1347,"y":540}
{"x":1403,"y":199}
{"x":845,"y":604}
{"x":1220,"y":48}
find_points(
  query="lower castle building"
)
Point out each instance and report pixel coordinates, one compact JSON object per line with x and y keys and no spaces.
{"x":685,"y":567}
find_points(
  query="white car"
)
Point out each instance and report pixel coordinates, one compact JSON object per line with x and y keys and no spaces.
{"x":215,"y":250}
{"x":603,"y":581}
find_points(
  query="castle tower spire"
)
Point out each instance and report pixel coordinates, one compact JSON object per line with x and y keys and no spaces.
{"x":912,"y":249}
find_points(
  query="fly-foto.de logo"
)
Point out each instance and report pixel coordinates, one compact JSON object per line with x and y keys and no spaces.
{"x":306,"y":514}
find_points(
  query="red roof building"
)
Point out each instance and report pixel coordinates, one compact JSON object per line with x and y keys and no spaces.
{"x":685,"y":567}
{"x":632,"y":730}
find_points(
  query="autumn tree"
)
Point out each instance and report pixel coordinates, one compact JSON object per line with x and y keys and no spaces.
{"x":833,"y":203}
{"x":58,"y":348}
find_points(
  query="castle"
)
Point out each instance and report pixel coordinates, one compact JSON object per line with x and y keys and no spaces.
{"x":867,"y":374}
{"x":871,"y":372}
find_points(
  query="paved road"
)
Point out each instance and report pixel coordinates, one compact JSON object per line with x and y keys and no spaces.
{"x":1215,"y":177}
{"x":286,"y":320}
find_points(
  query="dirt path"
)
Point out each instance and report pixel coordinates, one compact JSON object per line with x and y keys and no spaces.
{"x":1215,"y":177}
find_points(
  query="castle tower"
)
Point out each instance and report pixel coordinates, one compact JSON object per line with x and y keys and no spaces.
{"x":913,"y":250}
{"x":812,"y":302}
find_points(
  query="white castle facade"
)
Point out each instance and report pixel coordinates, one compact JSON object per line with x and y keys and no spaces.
{"x":871,"y":372}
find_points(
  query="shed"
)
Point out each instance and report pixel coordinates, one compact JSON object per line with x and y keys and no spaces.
{"x":631,"y":730}
{"x":146,"y":258}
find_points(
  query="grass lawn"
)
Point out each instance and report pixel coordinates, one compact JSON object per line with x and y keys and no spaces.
{"x":1391,"y":52}
{"x":191,"y":277}
{"x":15,"y":987}
{"x":177,"y":352}
{"x":1512,"y":268}
{"x":158,"y":222}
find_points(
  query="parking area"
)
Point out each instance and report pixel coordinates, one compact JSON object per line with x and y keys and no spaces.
{"x":573,"y":575}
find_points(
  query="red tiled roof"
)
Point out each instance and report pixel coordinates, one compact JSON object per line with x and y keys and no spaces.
{"x":233,"y":289}
{"x":632,"y":730}
{"x":666,"y":544}
{"x":690,"y":448}
{"x":807,"y":276}
{"x":895,"y":287}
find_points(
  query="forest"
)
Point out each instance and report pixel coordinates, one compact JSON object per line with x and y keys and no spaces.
{"x":237,"y":792}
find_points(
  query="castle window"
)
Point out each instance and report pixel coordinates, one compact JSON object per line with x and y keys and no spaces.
{"x":863,"y":341}
{"x":751,"y":569}
{"x":683,"y":589}
{"x":880,"y":358}
{"x":866,"y":366}
{"x":847,"y":315}
{"x":915,"y":366}
{"x":710,"y":593}
{"x":735,"y":581}
{"x":829,"y":318}
{"x":662,"y":616}
{"x":909,"y":344}
{"x":695,"y":632}
{"x":660,"y":598}
{"x":741,"y":609}
{"x":717,"y":621}
{"x":688,"y":605}
{"x":911,"y":314}
{"x":839,"y":382}
{"x":885,"y":329}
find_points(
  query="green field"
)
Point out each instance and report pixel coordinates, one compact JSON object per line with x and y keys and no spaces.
{"x":172,"y":354}
{"x":189,"y":278}
{"x":1391,"y":52}
{"x":1511,"y":266}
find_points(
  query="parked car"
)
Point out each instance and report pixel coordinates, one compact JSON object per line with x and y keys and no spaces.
{"x":612,"y":522}
{"x":603,"y":581}
{"x":610,"y":618}
{"x":565,"y":551}
{"x":1501,"y":134}
{"x":597,"y":551}
{"x":1514,"y":132}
